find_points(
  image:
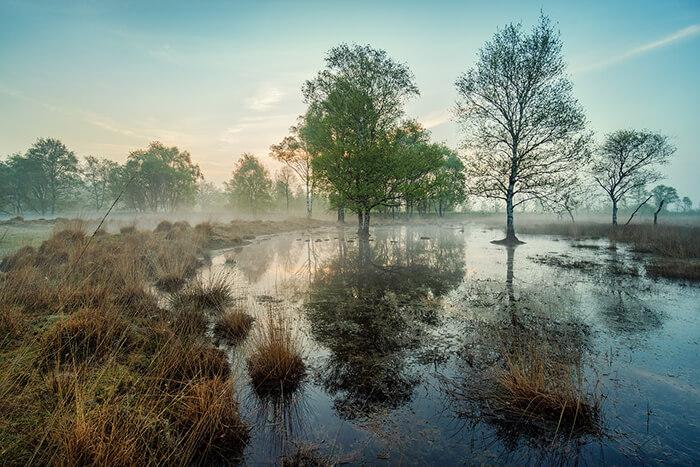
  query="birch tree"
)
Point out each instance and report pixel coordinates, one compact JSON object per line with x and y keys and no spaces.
{"x":524,"y":130}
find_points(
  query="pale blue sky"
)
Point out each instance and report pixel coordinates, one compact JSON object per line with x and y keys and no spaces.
{"x":222,"y":78}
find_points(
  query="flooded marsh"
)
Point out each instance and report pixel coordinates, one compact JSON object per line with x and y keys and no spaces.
{"x":407,"y":338}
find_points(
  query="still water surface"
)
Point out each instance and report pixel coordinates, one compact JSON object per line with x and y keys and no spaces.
{"x":391,"y":327}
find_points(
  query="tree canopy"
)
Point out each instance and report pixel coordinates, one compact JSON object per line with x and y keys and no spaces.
{"x":355,"y":107}
{"x":627,"y":162}
{"x":524,"y":130}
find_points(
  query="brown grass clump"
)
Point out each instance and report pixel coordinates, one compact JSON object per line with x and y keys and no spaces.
{"x":539,"y":390}
{"x":214,"y":293}
{"x":275,"y":363}
{"x":233,"y":325}
{"x":112,"y":434}
{"x":208,"y":419}
{"x":674,"y":269}
{"x":179,"y":363}
{"x":190,"y":322}
{"x":164,"y":226}
{"x":127,"y":229}
{"x":12,"y":322}
{"x":89,"y":334}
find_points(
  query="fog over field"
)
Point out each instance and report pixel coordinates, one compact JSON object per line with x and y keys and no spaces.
{"x":371,"y":233}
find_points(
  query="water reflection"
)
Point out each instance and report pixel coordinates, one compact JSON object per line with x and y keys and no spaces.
{"x":370,"y":304}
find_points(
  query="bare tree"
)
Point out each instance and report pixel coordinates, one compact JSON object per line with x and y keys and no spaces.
{"x":627,"y":162}
{"x":285,"y":181}
{"x":96,"y":173}
{"x":293,"y":151}
{"x":525,"y":132}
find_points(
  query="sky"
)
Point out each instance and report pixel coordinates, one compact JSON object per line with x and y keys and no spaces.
{"x":222,"y":78}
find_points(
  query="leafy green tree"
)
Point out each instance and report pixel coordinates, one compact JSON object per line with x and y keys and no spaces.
{"x":15,"y":184}
{"x":525,"y":132}
{"x":626,"y":163}
{"x":158,"y":178}
{"x":52,"y":173}
{"x":250,"y":186}
{"x":355,"y":105}
{"x":96,"y":175}
{"x":450,"y":186}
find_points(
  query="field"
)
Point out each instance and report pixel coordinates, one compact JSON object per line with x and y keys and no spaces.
{"x":298,"y":341}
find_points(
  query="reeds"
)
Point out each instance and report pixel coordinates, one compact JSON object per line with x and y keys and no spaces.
{"x":233,"y":325}
{"x":275,"y":363}
{"x":94,"y":371}
{"x":214,"y":292}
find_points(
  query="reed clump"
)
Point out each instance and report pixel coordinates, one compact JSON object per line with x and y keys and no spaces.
{"x":213,"y":293}
{"x":275,"y":363}
{"x":539,"y":389}
{"x":233,"y":325}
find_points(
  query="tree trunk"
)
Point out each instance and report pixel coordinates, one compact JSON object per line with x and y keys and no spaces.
{"x":341,"y":215}
{"x":658,"y":210}
{"x":510,"y":227}
{"x":363,"y":220}
{"x":614,"y":217}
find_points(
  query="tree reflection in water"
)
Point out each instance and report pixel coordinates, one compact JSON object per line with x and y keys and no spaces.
{"x":372,"y":303}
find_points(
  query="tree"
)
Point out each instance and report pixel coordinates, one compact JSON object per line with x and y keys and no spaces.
{"x":209,"y":196}
{"x":663,"y":196}
{"x":355,"y":104}
{"x":524,"y":129}
{"x":158,"y":178}
{"x":52,"y":172}
{"x":295,"y":152}
{"x":687,"y":204}
{"x":626,"y":163}
{"x":284,"y":184}
{"x":250,"y":185}
{"x":450,"y":182}
{"x":96,"y":175}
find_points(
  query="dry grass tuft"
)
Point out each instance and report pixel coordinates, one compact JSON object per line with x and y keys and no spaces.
{"x":208,"y":419}
{"x":178,"y":363}
{"x":234,"y":325}
{"x":190,"y":322}
{"x":214,"y":293}
{"x":275,"y":363}
{"x":538,"y":390}
{"x":164,"y":226}
{"x":89,"y":334}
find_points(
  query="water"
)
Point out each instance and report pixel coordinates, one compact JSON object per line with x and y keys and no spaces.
{"x":394,"y":327}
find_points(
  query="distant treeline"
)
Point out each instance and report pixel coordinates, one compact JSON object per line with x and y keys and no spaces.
{"x":526,"y":147}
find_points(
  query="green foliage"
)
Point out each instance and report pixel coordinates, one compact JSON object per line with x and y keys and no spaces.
{"x":52,"y":171}
{"x":250,"y":187}
{"x":355,"y":106}
{"x":157,"y":179}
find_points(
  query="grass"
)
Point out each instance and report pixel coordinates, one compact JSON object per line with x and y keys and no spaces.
{"x":669,"y":241}
{"x":275,"y":364}
{"x":93,"y":370}
{"x":544,"y":392}
{"x":214,"y":293}
{"x":674,"y":269}
{"x":233,"y":325}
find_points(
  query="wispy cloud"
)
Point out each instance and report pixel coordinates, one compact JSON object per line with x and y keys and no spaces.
{"x":436,"y":118}
{"x":677,"y":36}
{"x":265,"y":99}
